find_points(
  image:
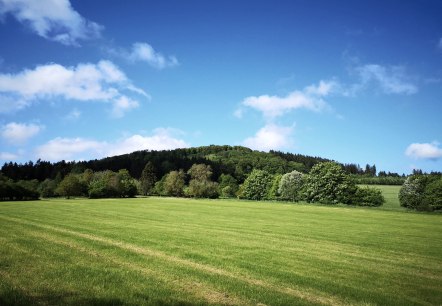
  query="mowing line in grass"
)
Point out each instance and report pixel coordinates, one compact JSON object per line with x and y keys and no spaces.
{"x":308,"y":294}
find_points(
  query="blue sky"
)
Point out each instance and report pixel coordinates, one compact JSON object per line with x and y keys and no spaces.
{"x":357,"y":82}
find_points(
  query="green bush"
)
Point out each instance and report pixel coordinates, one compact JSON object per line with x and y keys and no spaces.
{"x":257,"y":185}
{"x":273,"y":193}
{"x":328,"y":183}
{"x":290,"y":186}
{"x":412,"y":191}
{"x":432,"y":196}
{"x":367,"y":196}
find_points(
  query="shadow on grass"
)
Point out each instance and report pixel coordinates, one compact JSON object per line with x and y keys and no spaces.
{"x":17,"y":297}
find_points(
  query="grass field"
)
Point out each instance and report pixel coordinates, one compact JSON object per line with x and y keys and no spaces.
{"x":165,"y":251}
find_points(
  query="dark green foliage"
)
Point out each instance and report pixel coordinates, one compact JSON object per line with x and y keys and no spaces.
{"x":108,"y":184}
{"x":148,"y":179}
{"x":71,"y":186}
{"x":379,"y":180}
{"x":432,"y":196}
{"x":291,"y":186}
{"x":257,"y":185}
{"x":228,"y":186}
{"x":11,"y":191}
{"x":367,"y":196}
{"x":328,"y":183}
{"x":237,"y":161}
{"x":47,"y":188}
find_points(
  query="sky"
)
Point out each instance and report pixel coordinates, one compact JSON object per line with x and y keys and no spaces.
{"x":353,"y":81}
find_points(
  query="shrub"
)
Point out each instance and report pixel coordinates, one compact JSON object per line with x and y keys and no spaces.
{"x":328,"y":183}
{"x":228,"y":185}
{"x":256,"y":185}
{"x":174,"y":183}
{"x":273,"y":193}
{"x":432,"y":196}
{"x":367,"y":196}
{"x":290,"y":186}
{"x":411,"y":192}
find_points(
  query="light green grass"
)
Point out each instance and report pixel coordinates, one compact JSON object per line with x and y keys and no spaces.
{"x":390,"y":193}
{"x":181,"y":251}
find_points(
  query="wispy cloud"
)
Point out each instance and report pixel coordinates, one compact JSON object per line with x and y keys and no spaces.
{"x":310,"y":98}
{"x":271,"y":137}
{"x":424,"y":151}
{"x":73,"y":115}
{"x":391,"y":79}
{"x":86,"y":82}
{"x":144,"y":52}
{"x":80,"y":148}
{"x":440,"y":43}
{"x":55,"y":20}
{"x":19,"y":133}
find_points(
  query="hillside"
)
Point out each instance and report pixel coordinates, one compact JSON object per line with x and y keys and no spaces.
{"x":235,"y":160}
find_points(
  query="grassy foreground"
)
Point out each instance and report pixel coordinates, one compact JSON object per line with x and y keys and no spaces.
{"x":167,"y":251}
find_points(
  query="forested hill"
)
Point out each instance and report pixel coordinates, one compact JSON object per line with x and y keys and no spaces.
{"x":235,"y":160}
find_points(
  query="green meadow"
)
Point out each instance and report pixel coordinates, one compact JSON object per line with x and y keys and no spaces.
{"x":171,"y":251}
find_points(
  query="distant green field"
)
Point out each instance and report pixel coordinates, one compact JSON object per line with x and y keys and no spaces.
{"x":168,"y":251}
{"x":390,"y":193}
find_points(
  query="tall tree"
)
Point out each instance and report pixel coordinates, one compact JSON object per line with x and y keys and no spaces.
{"x":70,"y":186}
{"x":200,"y":185}
{"x":148,"y":178}
{"x":174,"y":183}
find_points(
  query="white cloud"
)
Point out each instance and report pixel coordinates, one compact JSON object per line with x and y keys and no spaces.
{"x":85,"y":149}
{"x":440,"y":43}
{"x":162,"y":139}
{"x":424,"y":151}
{"x":52,"y":19}
{"x":86,"y":82}
{"x":143,"y":52}
{"x":8,"y":156}
{"x":122,"y":105}
{"x":19,"y":133}
{"x":70,"y":148}
{"x":392,"y":80}
{"x":271,"y":137}
{"x":310,"y":98}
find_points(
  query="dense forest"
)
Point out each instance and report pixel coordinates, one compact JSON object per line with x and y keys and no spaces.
{"x":236,"y":161}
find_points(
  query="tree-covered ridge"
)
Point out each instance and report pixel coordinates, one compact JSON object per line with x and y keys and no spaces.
{"x":236,"y":161}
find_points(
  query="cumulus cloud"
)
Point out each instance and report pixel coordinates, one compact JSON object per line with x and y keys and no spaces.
{"x":81,"y":148}
{"x":86,"y":82}
{"x":310,"y":98}
{"x":55,"y":20}
{"x":424,"y":151}
{"x":392,"y":80}
{"x":19,"y":133}
{"x":271,"y":137}
{"x":143,"y":52}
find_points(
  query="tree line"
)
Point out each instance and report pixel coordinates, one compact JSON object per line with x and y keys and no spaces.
{"x":236,"y":161}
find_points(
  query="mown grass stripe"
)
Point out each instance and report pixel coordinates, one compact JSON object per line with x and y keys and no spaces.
{"x":307,"y":294}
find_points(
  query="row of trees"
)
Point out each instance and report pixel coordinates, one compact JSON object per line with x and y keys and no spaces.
{"x":422,"y":192}
{"x":327,"y":183}
{"x":101,"y":184}
{"x":236,"y":161}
